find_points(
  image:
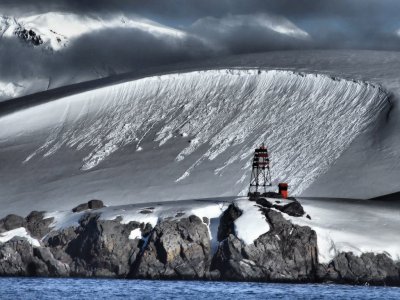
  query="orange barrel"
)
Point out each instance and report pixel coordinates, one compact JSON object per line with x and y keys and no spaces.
{"x":283,"y":189}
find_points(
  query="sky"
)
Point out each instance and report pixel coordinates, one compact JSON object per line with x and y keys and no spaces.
{"x":193,"y":30}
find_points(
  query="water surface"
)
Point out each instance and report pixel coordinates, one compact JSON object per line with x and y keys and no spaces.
{"x":44,"y":288}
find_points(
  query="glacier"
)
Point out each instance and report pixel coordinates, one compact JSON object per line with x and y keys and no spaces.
{"x":181,"y":135}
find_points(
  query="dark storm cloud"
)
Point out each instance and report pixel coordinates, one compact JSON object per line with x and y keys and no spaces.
{"x":331,"y":24}
{"x":106,"y":52}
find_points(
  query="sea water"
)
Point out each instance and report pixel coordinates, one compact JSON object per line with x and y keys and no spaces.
{"x":47,"y":288}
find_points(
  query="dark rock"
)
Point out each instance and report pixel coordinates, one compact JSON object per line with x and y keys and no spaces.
{"x":29,"y":36}
{"x":180,"y":249}
{"x":177,"y":249}
{"x":92,"y":204}
{"x":81,"y":207}
{"x":15,"y":257}
{"x":376,"y":269}
{"x":19,"y":258}
{"x":292,"y":209}
{"x":37,"y":226}
{"x":272,"y":195}
{"x":263,"y":202}
{"x":95,"y":204}
{"x":53,"y":267}
{"x":287,"y":253}
{"x":99,"y":248}
{"x":226,"y":226}
{"x":146,"y":211}
{"x":11,"y":222}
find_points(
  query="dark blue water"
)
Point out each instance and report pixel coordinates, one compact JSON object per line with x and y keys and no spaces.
{"x":39,"y":288}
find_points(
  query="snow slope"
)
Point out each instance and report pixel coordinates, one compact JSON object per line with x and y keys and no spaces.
{"x":180,"y":136}
{"x":371,"y":166}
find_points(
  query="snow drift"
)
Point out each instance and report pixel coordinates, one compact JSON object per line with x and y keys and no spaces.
{"x":180,"y":136}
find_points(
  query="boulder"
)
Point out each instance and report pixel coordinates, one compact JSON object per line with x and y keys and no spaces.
{"x":95,"y":204}
{"x":81,"y":207}
{"x":92,"y":204}
{"x":177,"y":249}
{"x":11,"y":222}
{"x":294,"y":209}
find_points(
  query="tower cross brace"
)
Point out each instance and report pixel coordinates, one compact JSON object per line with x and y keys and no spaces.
{"x":260,"y":174}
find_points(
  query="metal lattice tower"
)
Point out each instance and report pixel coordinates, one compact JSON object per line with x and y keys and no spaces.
{"x":260,"y":174}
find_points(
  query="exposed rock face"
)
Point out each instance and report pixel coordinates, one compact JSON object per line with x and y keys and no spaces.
{"x":367,"y":268}
{"x":286,"y":253}
{"x":96,"y":247}
{"x":180,"y":248}
{"x":19,"y":258}
{"x":37,"y":225}
{"x":29,"y":36}
{"x":176,"y":249}
{"x":226,"y":225}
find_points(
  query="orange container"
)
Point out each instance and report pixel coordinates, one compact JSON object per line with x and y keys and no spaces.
{"x":283,"y":189}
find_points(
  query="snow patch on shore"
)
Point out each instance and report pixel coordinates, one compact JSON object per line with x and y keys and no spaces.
{"x":18,"y":232}
{"x":135,"y":234}
{"x":357,"y":227}
{"x":252,"y":223}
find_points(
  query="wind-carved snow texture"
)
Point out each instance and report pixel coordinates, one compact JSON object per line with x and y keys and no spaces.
{"x":306,"y":120}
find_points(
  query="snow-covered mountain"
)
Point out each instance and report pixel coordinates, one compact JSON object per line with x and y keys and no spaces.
{"x":42,"y":49}
{"x":55,"y":31}
{"x":46,"y":51}
{"x":190,"y":134}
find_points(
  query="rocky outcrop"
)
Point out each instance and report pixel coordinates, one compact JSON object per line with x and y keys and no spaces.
{"x":19,"y":258}
{"x":35,"y":223}
{"x":226,"y":224}
{"x":179,"y":247}
{"x":29,"y":36}
{"x":370,"y":268}
{"x":286,"y":253}
{"x":292,"y":208}
{"x":96,"y":248}
{"x":11,"y":222}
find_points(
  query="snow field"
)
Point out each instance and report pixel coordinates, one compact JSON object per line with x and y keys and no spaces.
{"x":306,"y":120}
